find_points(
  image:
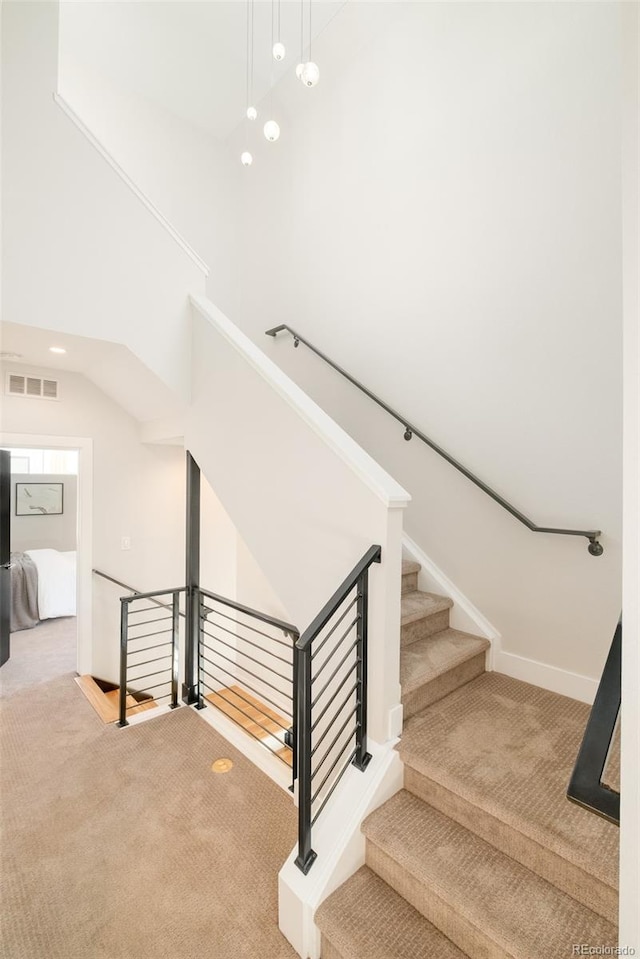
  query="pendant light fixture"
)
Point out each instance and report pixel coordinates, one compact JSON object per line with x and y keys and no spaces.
{"x":300,"y":66}
{"x":271,"y":129}
{"x":252,"y":113}
{"x":278,"y":48}
{"x":307,"y":71}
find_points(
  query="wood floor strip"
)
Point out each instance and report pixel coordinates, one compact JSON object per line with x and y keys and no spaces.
{"x":107,"y":704}
{"x":253,"y":716}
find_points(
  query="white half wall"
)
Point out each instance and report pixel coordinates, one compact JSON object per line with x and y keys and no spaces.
{"x":306,"y":500}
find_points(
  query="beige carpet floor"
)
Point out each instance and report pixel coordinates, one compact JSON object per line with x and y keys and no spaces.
{"x":39,"y":654}
{"x":123,"y":844}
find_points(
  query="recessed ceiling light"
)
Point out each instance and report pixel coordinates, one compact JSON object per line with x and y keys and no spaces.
{"x":56,"y":349}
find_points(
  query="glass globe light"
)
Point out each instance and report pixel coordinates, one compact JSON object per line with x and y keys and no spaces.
{"x":278,"y":51}
{"x":310,"y":74}
{"x":252,"y":113}
{"x":271,"y":130}
{"x":246,"y":159}
{"x":299,"y":70}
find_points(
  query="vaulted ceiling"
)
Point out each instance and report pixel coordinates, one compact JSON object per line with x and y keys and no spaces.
{"x":188,"y":57}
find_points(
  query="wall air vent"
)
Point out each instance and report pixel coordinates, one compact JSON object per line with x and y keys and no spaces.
{"x":33,"y":386}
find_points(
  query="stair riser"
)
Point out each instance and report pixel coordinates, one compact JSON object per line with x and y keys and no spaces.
{"x":409,"y":582}
{"x":328,"y":951}
{"x":438,"y":688}
{"x":436,"y":910}
{"x":422,"y":628}
{"x":592,"y":893}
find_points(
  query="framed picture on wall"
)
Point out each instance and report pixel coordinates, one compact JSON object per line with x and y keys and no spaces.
{"x":39,"y":499}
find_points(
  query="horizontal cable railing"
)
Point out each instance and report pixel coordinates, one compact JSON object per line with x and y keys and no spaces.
{"x":586,"y":786}
{"x":149,"y":641}
{"x":595,"y":547}
{"x":330,"y":691}
{"x":245,"y":669}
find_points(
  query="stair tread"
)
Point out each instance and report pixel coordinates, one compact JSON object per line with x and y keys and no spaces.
{"x":509,"y":748}
{"x":525,"y":915}
{"x":417,"y":605}
{"x":426,"y":659}
{"x":410,"y":566}
{"x":366,"y":918}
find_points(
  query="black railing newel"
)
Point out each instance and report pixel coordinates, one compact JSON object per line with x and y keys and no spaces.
{"x":175,"y":650}
{"x":292,"y":736}
{"x":124,"y":635}
{"x":306,"y":856}
{"x":586,"y":787}
{"x":192,"y":578}
{"x":202,"y":616}
{"x":307,"y":699}
{"x":362,"y":758}
{"x":595,"y":548}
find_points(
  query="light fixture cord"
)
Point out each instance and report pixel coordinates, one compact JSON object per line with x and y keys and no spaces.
{"x":251,"y":34}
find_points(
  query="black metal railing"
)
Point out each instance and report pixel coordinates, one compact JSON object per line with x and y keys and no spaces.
{"x":245,"y":669}
{"x":145,"y":620}
{"x":586,"y":786}
{"x":330,"y":671}
{"x":595,"y":547}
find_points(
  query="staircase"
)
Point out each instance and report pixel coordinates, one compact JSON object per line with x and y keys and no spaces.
{"x":480,"y":855}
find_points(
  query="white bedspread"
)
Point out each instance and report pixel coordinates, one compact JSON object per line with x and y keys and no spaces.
{"x":56,"y":582}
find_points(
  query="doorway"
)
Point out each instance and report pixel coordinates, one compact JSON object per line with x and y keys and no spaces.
{"x":50,"y":537}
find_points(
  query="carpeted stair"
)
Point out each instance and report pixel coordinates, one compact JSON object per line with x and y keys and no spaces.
{"x":481,"y":854}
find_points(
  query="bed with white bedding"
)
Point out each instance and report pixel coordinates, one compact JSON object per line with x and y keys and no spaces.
{"x":43,"y":586}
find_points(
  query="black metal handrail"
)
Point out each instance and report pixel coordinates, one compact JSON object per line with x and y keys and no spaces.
{"x":595,"y":547}
{"x":586,"y":787}
{"x":130,"y":651}
{"x":131,"y":589}
{"x":227,"y":656}
{"x":314,"y":716}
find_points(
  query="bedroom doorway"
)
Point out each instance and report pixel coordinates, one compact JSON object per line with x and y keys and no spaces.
{"x":50,"y":555}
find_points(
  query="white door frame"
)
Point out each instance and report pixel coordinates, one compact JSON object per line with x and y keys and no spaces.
{"x":84,"y":446}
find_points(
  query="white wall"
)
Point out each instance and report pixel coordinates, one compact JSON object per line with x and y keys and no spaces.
{"x":82,"y":254}
{"x":442,"y":215}
{"x":188,"y":175}
{"x":630,"y":745}
{"x":305,"y":499}
{"x":138,"y":491}
{"x":56,"y":531}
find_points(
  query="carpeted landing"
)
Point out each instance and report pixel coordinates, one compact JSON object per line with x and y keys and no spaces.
{"x":44,"y":652}
{"x":124,"y":844}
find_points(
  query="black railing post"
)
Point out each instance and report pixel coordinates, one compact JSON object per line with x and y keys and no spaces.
{"x":202,"y":615}
{"x":293,"y":733}
{"x":124,"y":629}
{"x":306,"y":855}
{"x":192,"y":582}
{"x":175,"y":650}
{"x":362,"y":758}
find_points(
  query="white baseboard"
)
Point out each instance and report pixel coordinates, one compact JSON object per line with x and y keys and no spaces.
{"x":467,"y":617}
{"x":464,"y":615}
{"x":547,"y":677}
